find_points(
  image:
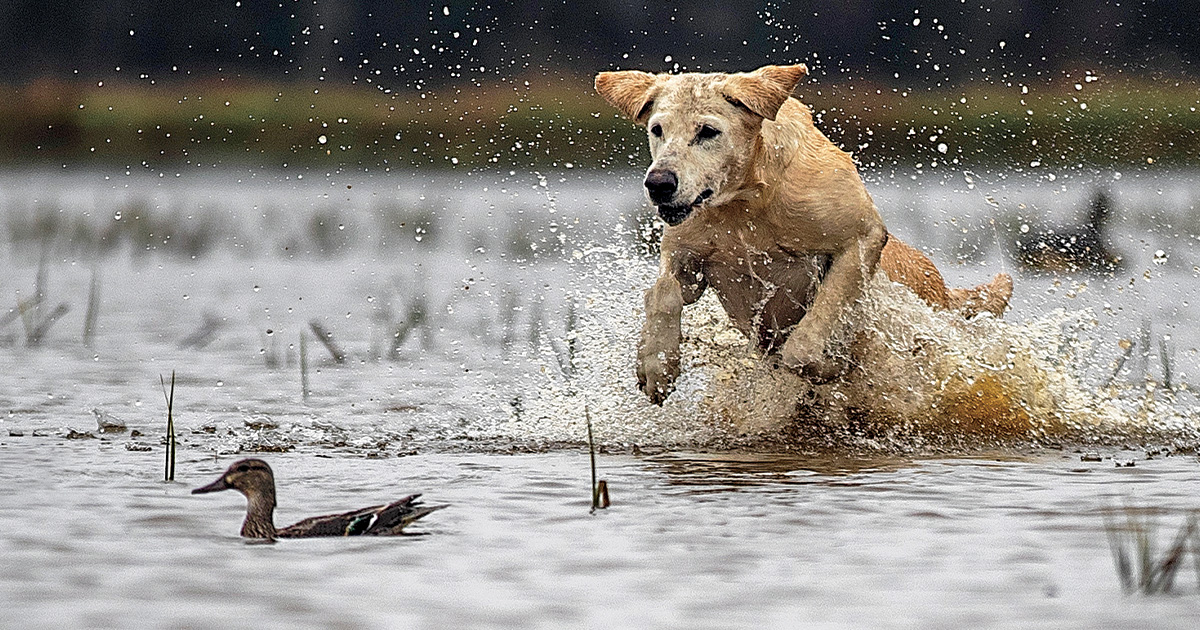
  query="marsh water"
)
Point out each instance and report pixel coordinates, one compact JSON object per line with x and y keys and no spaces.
{"x":959,"y":477}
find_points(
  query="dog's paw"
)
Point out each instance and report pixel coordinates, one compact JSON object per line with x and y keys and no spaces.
{"x":801,"y":350}
{"x":656,"y":375}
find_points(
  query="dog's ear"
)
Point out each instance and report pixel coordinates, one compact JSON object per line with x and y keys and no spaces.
{"x":630,"y":91}
{"x":765,"y":90}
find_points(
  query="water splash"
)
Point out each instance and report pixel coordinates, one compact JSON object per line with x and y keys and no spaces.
{"x":921,"y":379}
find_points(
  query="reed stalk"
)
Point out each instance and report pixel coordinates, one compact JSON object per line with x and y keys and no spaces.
{"x":1164,"y":357}
{"x":303,"y":365}
{"x":169,"y":472}
{"x":93,"y":310}
{"x":326,"y":339}
{"x":37,"y":333}
{"x":599,"y":488}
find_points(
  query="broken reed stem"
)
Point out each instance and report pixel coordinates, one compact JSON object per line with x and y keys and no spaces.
{"x":169,"y":472}
{"x":326,"y":339}
{"x":303,"y":365}
{"x":93,"y":310}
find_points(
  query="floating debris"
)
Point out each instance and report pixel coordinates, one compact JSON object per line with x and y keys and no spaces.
{"x":108,"y":423}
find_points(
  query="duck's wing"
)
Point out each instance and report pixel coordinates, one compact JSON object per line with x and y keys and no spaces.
{"x":378,"y":520}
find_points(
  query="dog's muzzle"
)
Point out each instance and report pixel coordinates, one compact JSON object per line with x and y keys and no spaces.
{"x":674,"y":215}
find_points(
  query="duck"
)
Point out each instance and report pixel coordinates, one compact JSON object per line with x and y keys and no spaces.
{"x":255,"y":479}
{"x":1080,"y":249}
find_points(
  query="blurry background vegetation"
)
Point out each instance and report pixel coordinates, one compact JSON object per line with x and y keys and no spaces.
{"x":473,"y":84}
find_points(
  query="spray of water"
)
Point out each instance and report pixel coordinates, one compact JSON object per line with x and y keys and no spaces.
{"x":921,"y":379}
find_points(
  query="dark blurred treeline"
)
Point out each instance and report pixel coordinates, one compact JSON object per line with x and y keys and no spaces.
{"x":406,"y":44}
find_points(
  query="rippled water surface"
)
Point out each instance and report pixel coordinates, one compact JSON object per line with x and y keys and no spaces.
{"x":516,"y":300}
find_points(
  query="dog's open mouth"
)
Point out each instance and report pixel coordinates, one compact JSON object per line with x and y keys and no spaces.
{"x":674,"y":215}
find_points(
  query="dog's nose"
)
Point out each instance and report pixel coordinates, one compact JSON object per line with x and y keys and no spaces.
{"x":661,"y":185}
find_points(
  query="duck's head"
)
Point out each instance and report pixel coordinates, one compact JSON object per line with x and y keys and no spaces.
{"x":251,"y":477}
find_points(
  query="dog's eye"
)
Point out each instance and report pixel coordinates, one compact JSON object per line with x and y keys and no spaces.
{"x":707,"y":132}
{"x":656,"y":130}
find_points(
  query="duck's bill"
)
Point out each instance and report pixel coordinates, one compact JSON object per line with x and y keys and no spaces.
{"x":215,"y":486}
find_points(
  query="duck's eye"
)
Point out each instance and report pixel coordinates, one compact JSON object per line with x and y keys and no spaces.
{"x":707,"y":132}
{"x":656,"y":130}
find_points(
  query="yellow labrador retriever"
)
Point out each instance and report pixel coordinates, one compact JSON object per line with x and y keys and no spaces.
{"x":763,"y":208}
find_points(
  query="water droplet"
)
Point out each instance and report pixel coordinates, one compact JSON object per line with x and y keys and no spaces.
{"x":117,"y":215}
{"x":1160,"y":257}
{"x":322,"y":139}
{"x":1024,"y":228}
{"x":257,"y":288}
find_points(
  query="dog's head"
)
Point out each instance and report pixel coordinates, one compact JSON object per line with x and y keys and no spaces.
{"x":703,"y":128}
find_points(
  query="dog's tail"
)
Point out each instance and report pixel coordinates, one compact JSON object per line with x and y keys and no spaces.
{"x":991,"y":297}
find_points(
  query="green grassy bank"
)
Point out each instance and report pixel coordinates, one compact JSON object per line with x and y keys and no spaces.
{"x":558,"y":121}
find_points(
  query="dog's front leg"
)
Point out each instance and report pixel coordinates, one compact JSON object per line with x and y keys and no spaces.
{"x":804,"y":349}
{"x":658,"y":351}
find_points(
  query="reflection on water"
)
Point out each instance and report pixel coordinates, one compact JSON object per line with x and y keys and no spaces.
{"x":738,"y":469}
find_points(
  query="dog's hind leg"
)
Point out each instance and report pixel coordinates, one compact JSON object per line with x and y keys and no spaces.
{"x":991,"y":297}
